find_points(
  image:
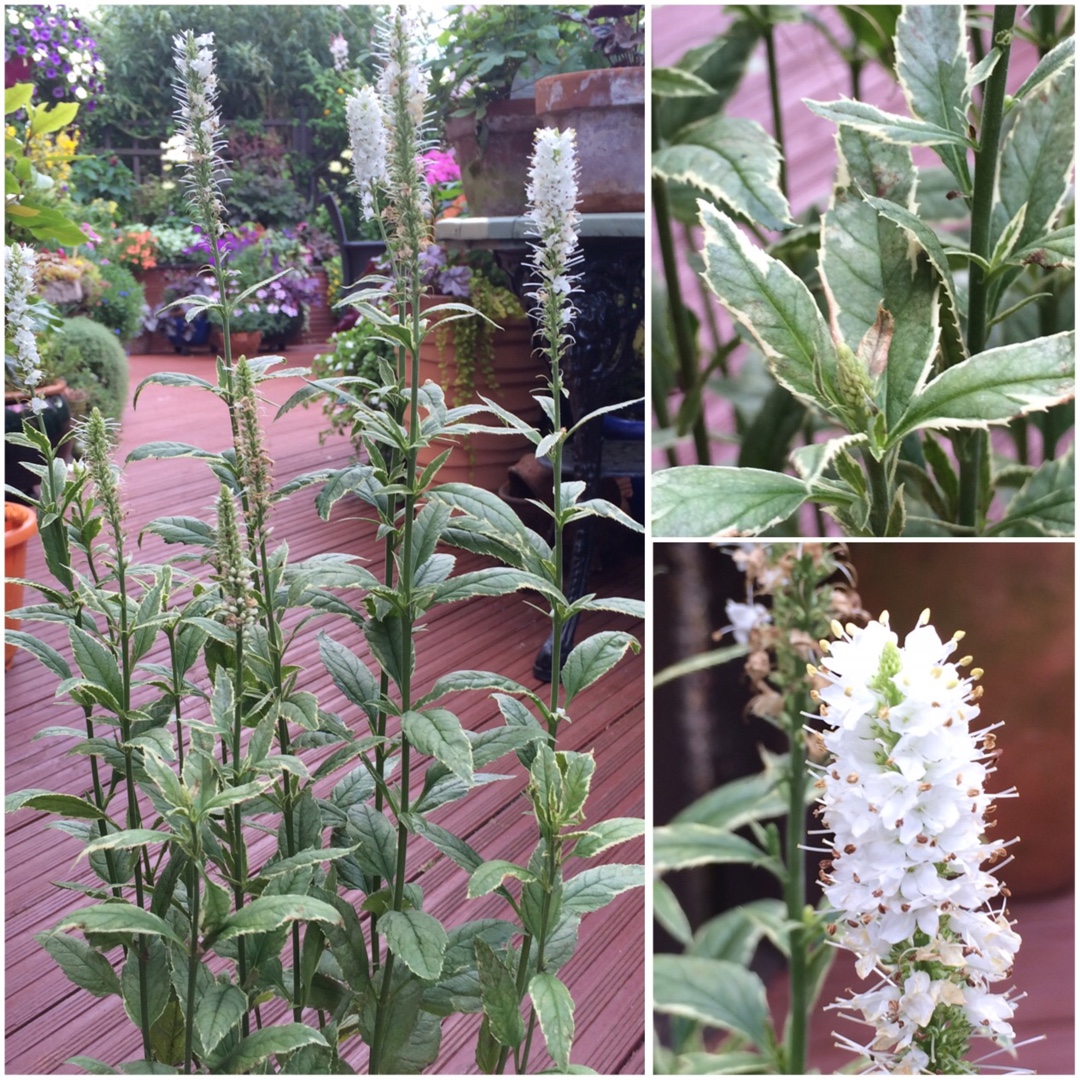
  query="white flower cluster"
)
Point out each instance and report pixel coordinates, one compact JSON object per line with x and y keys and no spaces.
{"x":339,"y":52}
{"x":20,"y":272}
{"x":904,"y":797}
{"x":367,"y":138}
{"x":200,"y":124}
{"x":744,"y":619}
{"x":552,"y":194}
{"x":403,"y":74}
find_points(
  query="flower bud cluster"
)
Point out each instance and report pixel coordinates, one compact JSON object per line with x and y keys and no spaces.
{"x":233,"y":569}
{"x":200,"y":127}
{"x":253,"y":460}
{"x":97,"y":438}
{"x":20,"y":272}
{"x":904,"y":798}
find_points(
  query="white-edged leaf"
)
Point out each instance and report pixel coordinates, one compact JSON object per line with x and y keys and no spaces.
{"x":774,"y":306}
{"x":266,"y":913}
{"x":713,"y":992}
{"x":734,"y":162}
{"x":882,"y":125}
{"x":490,"y":875}
{"x":417,"y":939}
{"x":593,"y":658}
{"x":555,"y":1011}
{"x":606,"y":834}
{"x":439,"y":734}
{"x":597,"y":886}
{"x":719,"y":500}
{"x":685,"y":844}
{"x":995,"y":386}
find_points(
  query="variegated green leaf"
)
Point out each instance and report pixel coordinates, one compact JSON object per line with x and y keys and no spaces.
{"x":1036,"y":159}
{"x":555,"y":1011}
{"x":867,"y":268}
{"x":934,"y":72}
{"x":1046,"y":504}
{"x":882,"y":125}
{"x":995,"y":386}
{"x":714,"y":992}
{"x":1057,"y":248}
{"x":774,"y":306}
{"x":734,"y":162}
{"x":1061,"y":56}
{"x":717,"y":500}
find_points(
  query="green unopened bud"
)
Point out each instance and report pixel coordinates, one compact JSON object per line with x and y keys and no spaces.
{"x":98,"y":440}
{"x":856,"y":389}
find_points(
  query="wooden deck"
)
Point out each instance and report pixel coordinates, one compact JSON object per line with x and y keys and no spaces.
{"x":48,"y":1020}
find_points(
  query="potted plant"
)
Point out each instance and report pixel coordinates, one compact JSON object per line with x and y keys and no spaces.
{"x":20,"y":525}
{"x":488,"y":357}
{"x":606,"y":107}
{"x":184,"y":333}
{"x":491,"y":59}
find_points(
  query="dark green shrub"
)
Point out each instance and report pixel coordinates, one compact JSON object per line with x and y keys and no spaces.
{"x":91,"y":360}
{"x":120,"y":303}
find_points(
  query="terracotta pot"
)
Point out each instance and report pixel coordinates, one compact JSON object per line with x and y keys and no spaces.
{"x":479,"y":459}
{"x":493,"y":154}
{"x":244,"y":342}
{"x":606,"y":108}
{"x":20,"y":525}
{"x":57,"y":420}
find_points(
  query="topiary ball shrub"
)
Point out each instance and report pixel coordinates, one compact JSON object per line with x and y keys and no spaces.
{"x":120,"y":303}
{"x":91,"y":360}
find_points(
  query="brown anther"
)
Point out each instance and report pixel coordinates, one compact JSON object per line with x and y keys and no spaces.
{"x":989,"y":740}
{"x":899,"y":822}
{"x":977,"y":693}
{"x":867,"y":918}
{"x":877,"y":892}
{"x":853,"y":923}
{"x":922,"y":839}
{"x":849,"y":849}
{"x":883,"y":909}
{"x":948,"y":723}
{"x":925,"y":787}
{"x":905,"y":908}
{"x":835,"y":775}
{"x":972,"y":792}
{"x":855,"y":877}
{"x":853,"y":778}
{"x":1005,"y":891}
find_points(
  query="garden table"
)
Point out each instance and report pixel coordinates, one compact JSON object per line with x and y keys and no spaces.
{"x":611,"y":310}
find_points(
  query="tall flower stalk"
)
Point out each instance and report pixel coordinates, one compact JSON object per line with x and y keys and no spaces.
{"x":905,"y":798}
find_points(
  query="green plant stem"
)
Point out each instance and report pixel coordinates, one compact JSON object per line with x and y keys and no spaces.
{"x":768,"y":32}
{"x":973,"y":445}
{"x":177,"y":693}
{"x":133,"y":814}
{"x":680,"y":320}
{"x":405,"y":585}
{"x":795,"y":901}
{"x":239,"y":859}
{"x":193,"y":957}
{"x":881,"y":496}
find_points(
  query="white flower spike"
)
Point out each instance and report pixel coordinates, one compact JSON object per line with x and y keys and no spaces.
{"x":904,"y":797}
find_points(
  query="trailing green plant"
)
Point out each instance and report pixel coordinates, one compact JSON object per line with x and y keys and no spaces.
{"x":926,"y":332}
{"x":92,"y":362}
{"x":494,"y":53}
{"x":192,"y":757}
{"x":468,"y":346}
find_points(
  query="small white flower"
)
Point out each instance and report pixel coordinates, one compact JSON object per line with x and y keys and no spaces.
{"x":367,"y":139}
{"x":904,"y":797}
{"x":744,"y":618}
{"x":339,"y":51}
{"x":20,"y":273}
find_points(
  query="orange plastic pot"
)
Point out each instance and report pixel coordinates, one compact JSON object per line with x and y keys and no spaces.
{"x":20,"y":525}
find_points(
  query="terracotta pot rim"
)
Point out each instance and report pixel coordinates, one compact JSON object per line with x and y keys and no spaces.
{"x":595,"y":83}
{"x":20,"y":524}
{"x":18,"y":397}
